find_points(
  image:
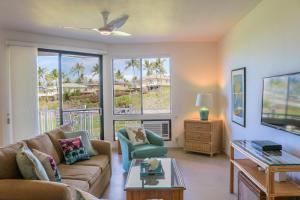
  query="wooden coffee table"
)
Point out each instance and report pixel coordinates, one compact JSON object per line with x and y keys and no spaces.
{"x":169,"y":187}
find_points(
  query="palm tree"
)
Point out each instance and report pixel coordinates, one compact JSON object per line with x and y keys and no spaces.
{"x":96,"y":70}
{"x":65,"y":78}
{"x":158,"y":67}
{"x":119,"y":75}
{"x":149,"y":67}
{"x":41,"y":75}
{"x":77,"y":70}
{"x":133,"y":64}
{"x":80,"y":79}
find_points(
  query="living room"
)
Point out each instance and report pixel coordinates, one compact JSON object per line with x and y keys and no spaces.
{"x":194,"y":50}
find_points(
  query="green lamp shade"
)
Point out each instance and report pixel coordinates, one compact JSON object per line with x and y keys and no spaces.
{"x":204,"y":112}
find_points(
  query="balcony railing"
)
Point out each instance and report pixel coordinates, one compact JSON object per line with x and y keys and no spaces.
{"x":80,"y":119}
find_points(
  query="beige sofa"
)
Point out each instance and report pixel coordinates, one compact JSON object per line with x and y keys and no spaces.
{"x":91,"y":175}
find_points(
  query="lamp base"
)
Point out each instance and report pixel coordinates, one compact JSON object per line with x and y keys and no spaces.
{"x":204,"y":112}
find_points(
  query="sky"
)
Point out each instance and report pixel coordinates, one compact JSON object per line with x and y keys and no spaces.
{"x":51,"y":62}
{"x":119,"y":64}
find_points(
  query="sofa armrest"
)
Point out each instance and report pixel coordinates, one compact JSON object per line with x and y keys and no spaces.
{"x":154,"y":138}
{"x":103,"y":147}
{"x":19,"y":189}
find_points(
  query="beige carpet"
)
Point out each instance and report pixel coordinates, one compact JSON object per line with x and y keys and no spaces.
{"x":205,"y":178}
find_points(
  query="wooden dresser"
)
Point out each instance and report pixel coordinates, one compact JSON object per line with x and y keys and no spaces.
{"x":203,"y":136}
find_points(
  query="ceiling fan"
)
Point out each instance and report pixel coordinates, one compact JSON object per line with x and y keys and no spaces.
{"x":109,"y":28}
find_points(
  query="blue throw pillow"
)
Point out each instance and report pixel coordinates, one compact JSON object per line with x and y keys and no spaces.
{"x":85,"y":140}
{"x":30,"y":167}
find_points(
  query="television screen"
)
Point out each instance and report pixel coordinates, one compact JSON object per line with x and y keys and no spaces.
{"x":281,"y":102}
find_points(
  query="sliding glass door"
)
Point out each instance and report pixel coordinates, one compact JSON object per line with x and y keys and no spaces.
{"x":70,"y":91}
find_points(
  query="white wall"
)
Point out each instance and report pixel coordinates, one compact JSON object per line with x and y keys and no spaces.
{"x":267,"y":42}
{"x":193,"y":69}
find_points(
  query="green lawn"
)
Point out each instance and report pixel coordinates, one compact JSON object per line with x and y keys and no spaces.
{"x":158,"y":99}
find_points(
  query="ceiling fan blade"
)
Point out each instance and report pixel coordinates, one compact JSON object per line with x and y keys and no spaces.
{"x":78,"y":28}
{"x":120,"y":33}
{"x":117,"y":23}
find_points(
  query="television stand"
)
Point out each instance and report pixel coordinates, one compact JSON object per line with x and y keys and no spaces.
{"x":272,"y":162}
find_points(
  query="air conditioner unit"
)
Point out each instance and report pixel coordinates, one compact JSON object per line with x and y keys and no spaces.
{"x":162,"y":128}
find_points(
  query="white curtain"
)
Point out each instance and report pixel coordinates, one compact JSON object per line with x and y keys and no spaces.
{"x":22,"y":63}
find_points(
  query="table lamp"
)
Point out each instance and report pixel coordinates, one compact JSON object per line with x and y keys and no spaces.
{"x":204,"y":101}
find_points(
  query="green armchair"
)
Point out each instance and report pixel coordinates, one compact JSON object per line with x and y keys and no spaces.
{"x":129,"y":151}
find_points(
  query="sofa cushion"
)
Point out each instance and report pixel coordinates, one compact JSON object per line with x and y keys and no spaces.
{"x":55,"y":135}
{"x":44,"y":144}
{"x":8,"y":163}
{"x":99,"y":161}
{"x":83,"y":185}
{"x":148,"y":151}
{"x":30,"y":166}
{"x":80,"y":172}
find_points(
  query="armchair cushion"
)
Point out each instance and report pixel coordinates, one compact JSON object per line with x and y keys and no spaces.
{"x":148,"y":151}
{"x":137,"y":135}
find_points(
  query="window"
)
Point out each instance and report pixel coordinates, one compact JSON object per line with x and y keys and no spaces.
{"x":70,"y":91}
{"x":142,"y":86}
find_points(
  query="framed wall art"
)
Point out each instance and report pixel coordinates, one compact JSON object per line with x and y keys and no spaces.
{"x":238,"y":96}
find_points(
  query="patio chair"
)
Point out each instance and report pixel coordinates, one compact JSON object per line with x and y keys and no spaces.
{"x":129,"y":151}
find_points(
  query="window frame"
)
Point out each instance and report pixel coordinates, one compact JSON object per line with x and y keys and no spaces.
{"x":100,"y":59}
{"x":141,"y":84}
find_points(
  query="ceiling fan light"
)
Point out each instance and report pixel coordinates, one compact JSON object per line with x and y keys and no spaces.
{"x":105,"y":32}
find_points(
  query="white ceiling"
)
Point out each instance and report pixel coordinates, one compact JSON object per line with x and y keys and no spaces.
{"x":149,"y":21}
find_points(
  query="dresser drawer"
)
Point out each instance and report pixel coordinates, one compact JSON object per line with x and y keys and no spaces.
{"x":204,"y":137}
{"x":196,"y":126}
{"x":197,"y":146}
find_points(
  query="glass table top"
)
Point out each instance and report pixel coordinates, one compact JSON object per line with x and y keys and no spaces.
{"x":172,"y":178}
{"x":271,"y":158}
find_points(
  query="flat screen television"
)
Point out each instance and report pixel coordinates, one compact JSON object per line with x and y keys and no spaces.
{"x":281,"y":102}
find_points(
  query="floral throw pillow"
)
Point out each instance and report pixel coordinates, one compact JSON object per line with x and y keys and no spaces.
{"x":73,"y":150}
{"x":137,"y":135}
{"x":49,"y":164}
